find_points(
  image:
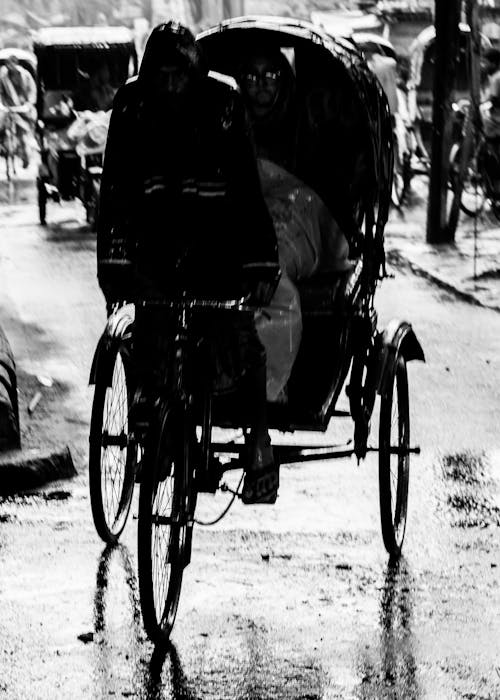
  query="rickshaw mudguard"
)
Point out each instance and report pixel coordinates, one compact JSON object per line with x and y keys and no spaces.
{"x":398,"y":339}
{"x":118,"y":333}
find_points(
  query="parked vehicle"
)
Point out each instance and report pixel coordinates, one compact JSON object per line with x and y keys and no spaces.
{"x":72,"y":105}
{"x":474,"y":165}
{"x":420,"y":84}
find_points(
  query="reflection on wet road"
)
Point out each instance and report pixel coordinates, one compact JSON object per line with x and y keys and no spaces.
{"x":291,"y":602}
{"x":394,"y":672}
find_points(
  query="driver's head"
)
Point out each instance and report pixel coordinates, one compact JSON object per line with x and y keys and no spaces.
{"x":171,"y":62}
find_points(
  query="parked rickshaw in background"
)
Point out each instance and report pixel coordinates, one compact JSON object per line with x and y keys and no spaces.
{"x":79,"y":70}
{"x":420,"y":84}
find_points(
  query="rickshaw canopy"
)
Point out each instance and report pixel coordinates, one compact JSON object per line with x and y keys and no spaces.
{"x":318,"y":59}
{"x":81,"y":37}
{"x":66,"y":55}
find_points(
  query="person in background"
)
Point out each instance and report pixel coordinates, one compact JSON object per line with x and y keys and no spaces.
{"x":18,"y":96}
{"x":182,"y":211}
{"x":490,"y":115}
{"x":386,"y":70}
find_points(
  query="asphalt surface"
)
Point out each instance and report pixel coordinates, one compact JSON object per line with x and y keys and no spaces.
{"x":297,"y":600}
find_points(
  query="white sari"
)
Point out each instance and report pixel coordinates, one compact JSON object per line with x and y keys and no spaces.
{"x":309,"y":242}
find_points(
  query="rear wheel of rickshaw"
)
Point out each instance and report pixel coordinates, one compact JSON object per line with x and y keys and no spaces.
{"x":394,"y":458}
{"x":112,"y":454}
{"x":42,"y":201}
{"x":165,"y":522}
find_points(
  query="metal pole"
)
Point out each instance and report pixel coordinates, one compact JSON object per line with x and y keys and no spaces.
{"x":472,"y":17}
{"x":447,"y":18}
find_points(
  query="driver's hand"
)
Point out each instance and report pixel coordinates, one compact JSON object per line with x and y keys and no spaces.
{"x":262,"y":294}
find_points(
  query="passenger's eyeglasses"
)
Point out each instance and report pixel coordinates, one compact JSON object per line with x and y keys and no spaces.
{"x":267,"y":77}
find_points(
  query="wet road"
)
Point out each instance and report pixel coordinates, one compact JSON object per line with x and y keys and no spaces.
{"x":291,"y":601}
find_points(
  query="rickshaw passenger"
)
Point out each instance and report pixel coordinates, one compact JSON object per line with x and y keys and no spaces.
{"x":300,"y":217}
{"x":309,"y":239}
{"x":18,"y":94}
{"x":182,"y":210}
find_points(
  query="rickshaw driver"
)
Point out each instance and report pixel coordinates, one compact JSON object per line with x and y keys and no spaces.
{"x":182,"y":210}
{"x":18,"y":95}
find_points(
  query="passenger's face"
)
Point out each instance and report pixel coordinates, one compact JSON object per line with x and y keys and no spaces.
{"x":261,"y":82}
{"x":170,"y":80}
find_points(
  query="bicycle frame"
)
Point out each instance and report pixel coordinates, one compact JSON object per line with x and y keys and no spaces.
{"x":176,"y":386}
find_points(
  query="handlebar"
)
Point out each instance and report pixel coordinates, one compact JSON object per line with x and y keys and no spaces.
{"x":241,"y":304}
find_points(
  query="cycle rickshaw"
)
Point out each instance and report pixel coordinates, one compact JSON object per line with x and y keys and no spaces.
{"x":72,"y":126}
{"x":341,"y":345}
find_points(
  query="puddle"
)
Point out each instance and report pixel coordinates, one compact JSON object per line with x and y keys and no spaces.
{"x":469,"y":490}
{"x":464,"y":467}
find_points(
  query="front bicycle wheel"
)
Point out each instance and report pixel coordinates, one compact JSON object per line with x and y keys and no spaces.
{"x":112,"y":455}
{"x":394,"y":459}
{"x":164,"y":524}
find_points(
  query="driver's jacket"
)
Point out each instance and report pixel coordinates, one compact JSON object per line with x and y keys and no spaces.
{"x":188,"y":214}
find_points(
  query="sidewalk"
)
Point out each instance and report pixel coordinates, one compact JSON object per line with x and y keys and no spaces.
{"x":469,"y":267}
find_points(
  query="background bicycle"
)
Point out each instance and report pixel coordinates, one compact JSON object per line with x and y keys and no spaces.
{"x":474,"y":165}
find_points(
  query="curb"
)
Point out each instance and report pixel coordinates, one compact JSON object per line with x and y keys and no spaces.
{"x":9,"y":408}
{"x":19,"y":472}
{"x":397,"y":258}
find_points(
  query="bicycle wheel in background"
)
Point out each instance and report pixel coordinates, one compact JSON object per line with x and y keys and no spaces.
{"x":394,"y":459}
{"x":112,"y":455}
{"x":469,"y":187}
{"x":164,"y":524}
